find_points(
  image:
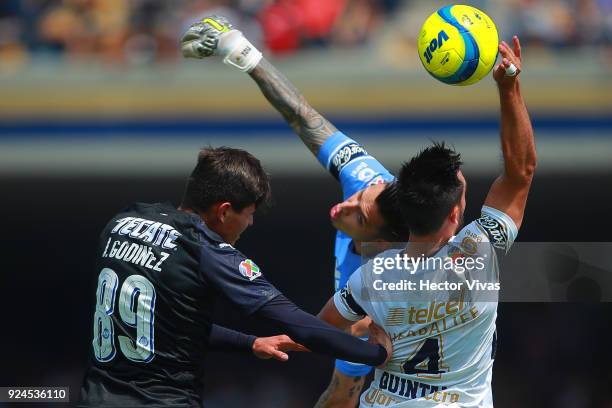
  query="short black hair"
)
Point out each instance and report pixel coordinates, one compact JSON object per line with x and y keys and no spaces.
{"x":226,"y":174}
{"x":428,"y":188}
{"x":395,"y":228}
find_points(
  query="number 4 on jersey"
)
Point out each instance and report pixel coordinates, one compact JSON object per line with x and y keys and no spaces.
{"x":426,"y":361}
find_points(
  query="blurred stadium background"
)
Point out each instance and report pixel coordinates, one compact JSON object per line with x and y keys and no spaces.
{"x":98,"y":110}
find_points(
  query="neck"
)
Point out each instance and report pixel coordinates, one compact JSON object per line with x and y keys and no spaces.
{"x":205,"y":217}
{"x":425,"y":244}
{"x":209,"y":218}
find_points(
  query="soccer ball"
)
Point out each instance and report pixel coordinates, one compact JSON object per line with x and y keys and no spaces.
{"x":458,"y":45}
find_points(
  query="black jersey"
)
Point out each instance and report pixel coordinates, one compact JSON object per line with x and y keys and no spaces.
{"x":159,"y":270}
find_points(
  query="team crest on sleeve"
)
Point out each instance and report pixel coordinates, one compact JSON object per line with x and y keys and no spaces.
{"x":249,"y":269}
{"x":454,"y":252}
{"x":469,"y":246}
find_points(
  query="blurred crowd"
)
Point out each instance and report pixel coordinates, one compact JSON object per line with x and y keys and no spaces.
{"x":146,"y":31}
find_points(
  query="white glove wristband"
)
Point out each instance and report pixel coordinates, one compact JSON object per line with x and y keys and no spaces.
{"x":238,"y":51}
{"x":511,"y":70}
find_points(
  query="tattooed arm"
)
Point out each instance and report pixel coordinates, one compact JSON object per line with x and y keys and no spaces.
{"x":310,"y":125}
{"x":215,"y":35}
{"x":343,"y":391}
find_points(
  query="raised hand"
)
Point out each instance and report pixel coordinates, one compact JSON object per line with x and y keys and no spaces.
{"x":202,"y":38}
{"x":275,"y":347}
{"x":215,"y":35}
{"x":511,"y":57}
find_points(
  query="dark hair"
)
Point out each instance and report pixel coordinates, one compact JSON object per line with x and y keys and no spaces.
{"x":226,"y":174}
{"x":428,"y":188}
{"x":395,"y":228}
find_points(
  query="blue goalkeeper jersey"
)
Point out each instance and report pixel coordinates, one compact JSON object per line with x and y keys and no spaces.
{"x":355,"y":169}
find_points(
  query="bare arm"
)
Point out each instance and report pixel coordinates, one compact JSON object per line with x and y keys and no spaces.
{"x":509,"y":191}
{"x":310,"y":126}
{"x":330,"y":314}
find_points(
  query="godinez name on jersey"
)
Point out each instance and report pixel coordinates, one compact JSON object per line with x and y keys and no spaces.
{"x":150,"y":233}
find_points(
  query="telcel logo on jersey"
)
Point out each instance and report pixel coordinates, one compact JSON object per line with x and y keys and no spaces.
{"x":151,"y":232}
{"x":434,"y":311}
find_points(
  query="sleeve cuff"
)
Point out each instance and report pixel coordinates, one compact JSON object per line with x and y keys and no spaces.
{"x":344,"y":309}
{"x":331,"y":146}
{"x":249,"y":342}
{"x":505,"y":218}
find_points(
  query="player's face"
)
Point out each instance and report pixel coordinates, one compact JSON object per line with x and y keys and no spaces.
{"x":359,"y":216}
{"x":236,"y":222}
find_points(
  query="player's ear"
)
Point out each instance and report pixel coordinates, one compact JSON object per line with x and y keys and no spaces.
{"x":223,"y":210}
{"x":455,"y":214}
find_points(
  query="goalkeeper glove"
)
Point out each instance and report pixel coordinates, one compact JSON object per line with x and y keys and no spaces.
{"x":215,"y":35}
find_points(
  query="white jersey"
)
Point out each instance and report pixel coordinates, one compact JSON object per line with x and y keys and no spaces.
{"x":443,"y":345}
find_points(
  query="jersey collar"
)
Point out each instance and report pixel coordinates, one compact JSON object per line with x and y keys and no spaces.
{"x":210,"y":233}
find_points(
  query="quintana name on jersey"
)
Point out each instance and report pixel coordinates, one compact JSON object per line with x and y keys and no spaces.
{"x":385,"y":390}
{"x":138,"y":254}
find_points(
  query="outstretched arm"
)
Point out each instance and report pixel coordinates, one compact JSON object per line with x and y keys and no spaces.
{"x":323,"y":338}
{"x":215,"y":35}
{"x":309,"y":124}
{"x":509,"y":191}
{"x":339,"y":154}
{"x":224,"y":339}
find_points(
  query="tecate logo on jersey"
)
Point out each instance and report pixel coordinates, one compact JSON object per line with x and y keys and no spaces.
{"x":150,"y":232}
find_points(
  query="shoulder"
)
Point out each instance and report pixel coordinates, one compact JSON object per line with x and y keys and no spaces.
{"x":214,"y":251}
{"x":223,"y":256}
